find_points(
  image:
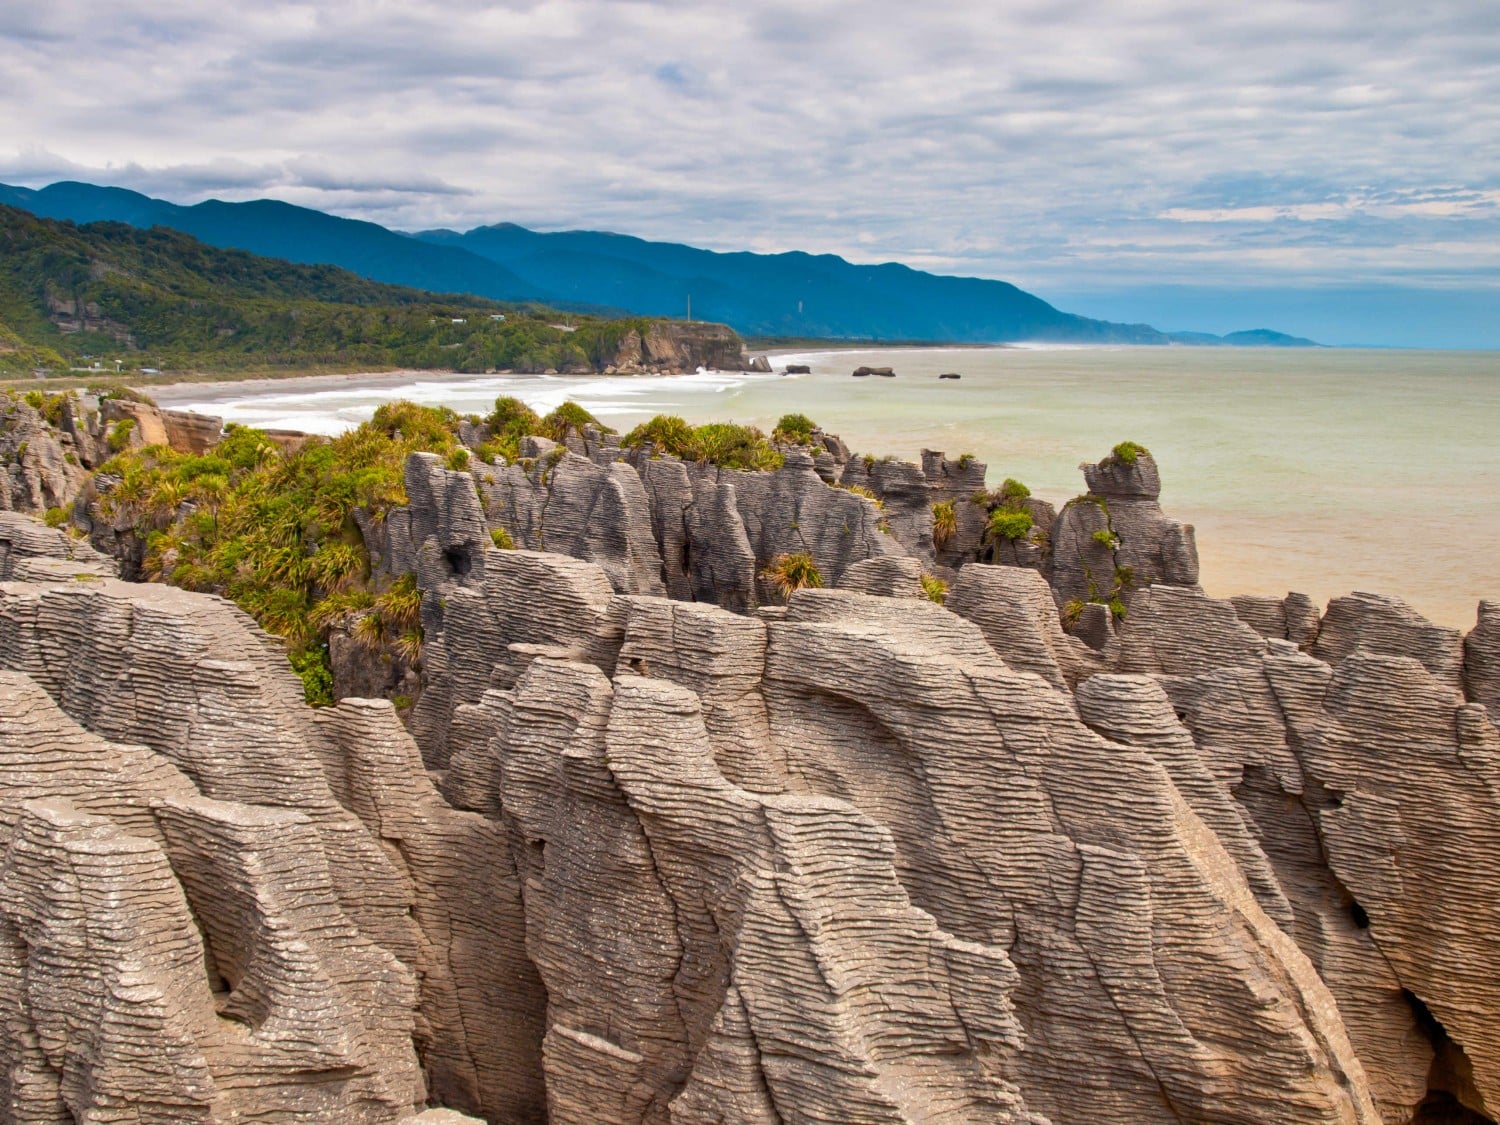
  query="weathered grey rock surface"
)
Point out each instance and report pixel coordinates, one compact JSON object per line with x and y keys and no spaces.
{"x":324,"y":885}
{"x":1115,"y":540}
{"x":693,"y":859}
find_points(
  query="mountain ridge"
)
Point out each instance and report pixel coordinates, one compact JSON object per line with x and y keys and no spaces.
{"x":789,"y":294}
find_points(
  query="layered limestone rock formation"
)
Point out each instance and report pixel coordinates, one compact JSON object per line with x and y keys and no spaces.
{"x":216,"y":904}
{"x":697,"y":531}
{"x":41,"y":462}
{"x":695,"y":858}
{"x":1115,"y":540}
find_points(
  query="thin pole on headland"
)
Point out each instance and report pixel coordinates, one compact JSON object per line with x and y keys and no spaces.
{"x":690,"y":308}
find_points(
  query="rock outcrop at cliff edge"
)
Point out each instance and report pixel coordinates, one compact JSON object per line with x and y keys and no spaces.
{"x":856,"y":857}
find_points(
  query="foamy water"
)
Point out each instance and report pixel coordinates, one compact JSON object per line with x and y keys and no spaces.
{"x":1322,"y":471}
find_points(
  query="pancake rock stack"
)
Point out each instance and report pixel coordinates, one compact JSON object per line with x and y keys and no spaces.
{"x":855,"y":856}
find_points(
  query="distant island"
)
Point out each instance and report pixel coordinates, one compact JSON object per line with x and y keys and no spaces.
{"x":793,"y":294}
{"x":1254,"y":338}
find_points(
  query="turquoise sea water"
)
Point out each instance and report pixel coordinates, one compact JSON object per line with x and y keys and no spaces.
{"x":1317,"y":470}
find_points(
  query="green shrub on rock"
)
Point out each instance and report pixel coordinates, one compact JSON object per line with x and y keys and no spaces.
{"x":732,"y":446}
{"x":725,"y":444}
{"x":794,"y":429}
{"x":667,"y":433}
{"x":119,"y":434}
{"x":274,"y":531}
{"x":1006,"y":524}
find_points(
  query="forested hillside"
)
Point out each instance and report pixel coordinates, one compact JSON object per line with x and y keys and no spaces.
{"x":106,"y":292}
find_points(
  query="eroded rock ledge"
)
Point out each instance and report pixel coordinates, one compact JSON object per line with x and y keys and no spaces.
{"x":860,"y":857}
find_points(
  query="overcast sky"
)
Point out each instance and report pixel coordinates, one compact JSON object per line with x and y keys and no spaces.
{"x":1096,"y":153}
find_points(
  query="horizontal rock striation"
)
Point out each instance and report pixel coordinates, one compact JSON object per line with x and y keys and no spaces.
{"x":347,"y":963}
{"x":664,"y":845}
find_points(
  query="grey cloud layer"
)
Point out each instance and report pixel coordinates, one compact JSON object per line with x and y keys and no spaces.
{"x":1098,"y":143}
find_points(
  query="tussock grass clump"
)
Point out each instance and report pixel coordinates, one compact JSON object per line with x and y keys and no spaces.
{"x":792,"y":572}
{"x":861,"y":490}
{"x":668,"y":434}
{"x":944,"y":523}
{"x":1128,"y":451}
{"x":569,"y":417}
{"x":935,"y":588}
{"x":731,"y":446}
{"x":118,"y":436}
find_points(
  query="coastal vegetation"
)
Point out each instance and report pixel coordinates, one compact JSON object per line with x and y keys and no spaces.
{"x":794,"y":429}
{"x":725,"y":444}
{"x":276,"y":530}
{"x":512,"y":420}
{"x":107,"y":294}
{"x":944,"y":523}
{"x":1006,"y":524}
{"x":791,"y":572}
{"x":935,"y":588}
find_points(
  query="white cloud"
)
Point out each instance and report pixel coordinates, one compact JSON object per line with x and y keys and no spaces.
{"x":1038,"y":141}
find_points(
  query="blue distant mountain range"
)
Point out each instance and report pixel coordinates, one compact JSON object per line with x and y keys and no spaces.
{"x":792,"y":294}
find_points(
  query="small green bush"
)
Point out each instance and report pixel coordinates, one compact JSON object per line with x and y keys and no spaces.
{"x":119,"y":434}
{"x":965,"y":460}
{"x":732,"y":446}
{"x":568,"y":416}
{"x":56,"y":517}
{"x":725,"y":444}
{"x":458,"y":460}
{"x":315,"y":672}
{"x":668,"y":433}
{"x":1107,"y":539}
{"x":124,"y":394}
{"x":1072,"y":610}
{"x":502,"y":539}
{"x":1012,"y":492}
{"x":509,"y":422}
{"x":1009,"y":525}
{"x":794,"y":429}
{"x":1127,"y":452}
